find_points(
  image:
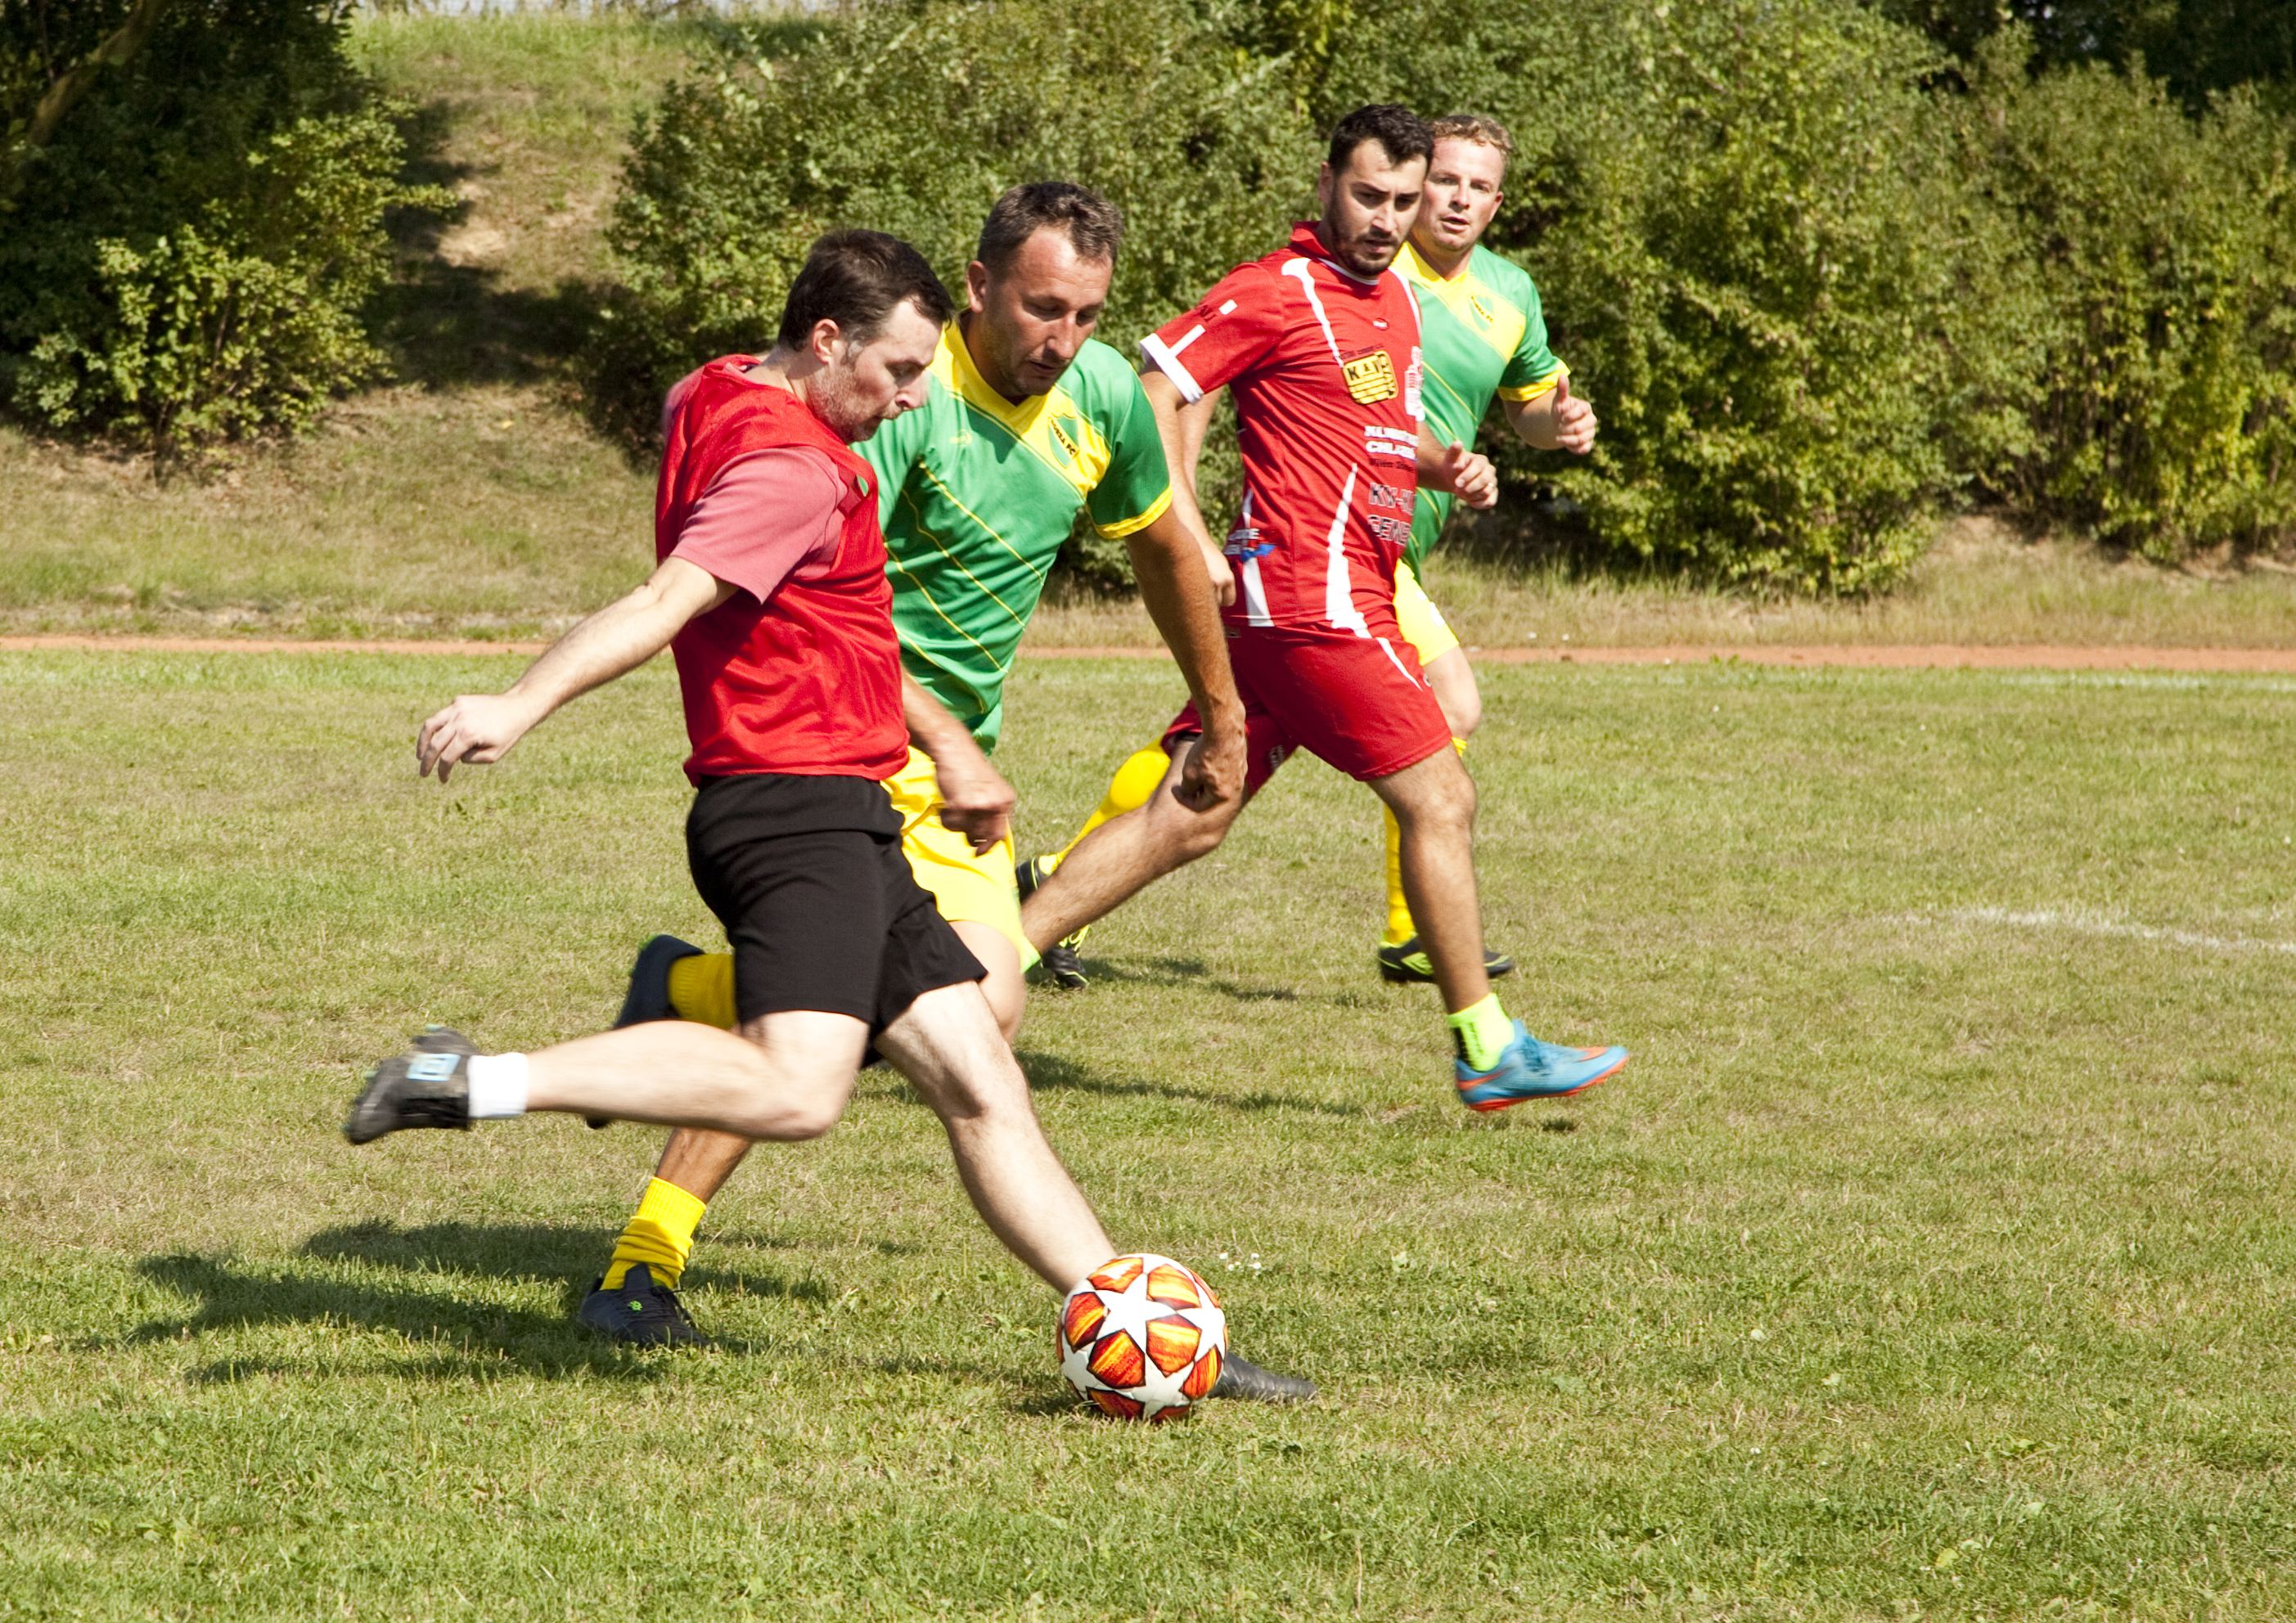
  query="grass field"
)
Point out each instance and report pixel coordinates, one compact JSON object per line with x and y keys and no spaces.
{"x":1933,"y":1259}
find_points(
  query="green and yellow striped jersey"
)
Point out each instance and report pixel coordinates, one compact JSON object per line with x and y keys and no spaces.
{"x":977,"y":495}
{"x":1481,"y":333}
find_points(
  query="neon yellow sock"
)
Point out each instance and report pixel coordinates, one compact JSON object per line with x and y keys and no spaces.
{"x":1400,"y":927}
{"x":1134,"y":783}
{"x":660,"y":1236}
{"x":701,"y":989}
{"x":1483,"y":1032}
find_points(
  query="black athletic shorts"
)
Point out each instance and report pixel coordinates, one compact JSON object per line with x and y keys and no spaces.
{"x":807,"y":875}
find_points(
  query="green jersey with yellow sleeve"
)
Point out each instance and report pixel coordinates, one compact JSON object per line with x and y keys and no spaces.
{"x":1481,"y":334}
{"x":976,"y":494}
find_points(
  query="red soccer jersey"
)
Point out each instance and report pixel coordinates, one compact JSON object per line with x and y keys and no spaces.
{"x":807,"y":681}
{"x":1324,"y":369}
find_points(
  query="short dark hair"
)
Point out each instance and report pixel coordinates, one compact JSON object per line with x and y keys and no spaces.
{"x":1093,"y":226}
{"x":1402,"y":134}
{"x":857,"y":279}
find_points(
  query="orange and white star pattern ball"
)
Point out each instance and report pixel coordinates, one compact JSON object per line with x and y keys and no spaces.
{"x":1142,"y":1338}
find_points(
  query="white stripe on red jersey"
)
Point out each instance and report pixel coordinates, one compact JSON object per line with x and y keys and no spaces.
{"x":1324,"y":369}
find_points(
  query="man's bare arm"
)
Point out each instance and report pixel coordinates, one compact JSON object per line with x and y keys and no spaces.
{"x":1466,"y":473}
{"x":975,"y":799}
{"x":1554,"y":420}
{"x":1168,"y":561}
{"x":1182,"y":428}
{"x":480,"y":728}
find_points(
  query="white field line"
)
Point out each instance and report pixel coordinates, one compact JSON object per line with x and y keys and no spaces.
{"x":2094,"y":924}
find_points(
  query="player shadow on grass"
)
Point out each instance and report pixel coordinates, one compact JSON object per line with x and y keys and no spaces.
{"x":1190,"y":973}
{"x":570,"y":1257}
{"x":1049,"y":1071}
{"x":465,"y":1338}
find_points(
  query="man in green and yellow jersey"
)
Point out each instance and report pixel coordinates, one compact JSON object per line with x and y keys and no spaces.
{"x":1028,"y":421}
{"x":1482,"y":336}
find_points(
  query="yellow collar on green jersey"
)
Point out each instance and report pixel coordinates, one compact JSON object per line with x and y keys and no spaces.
{"x":1051,"y":426}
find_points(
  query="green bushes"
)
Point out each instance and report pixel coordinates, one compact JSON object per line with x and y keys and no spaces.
{"x":1753,"y":248}
{"x":1817,"y":288}
{"x":1821,"y":278}
{"x":2162,"y":414}
{"x":912,"y":120}
{"x":186,"y":260}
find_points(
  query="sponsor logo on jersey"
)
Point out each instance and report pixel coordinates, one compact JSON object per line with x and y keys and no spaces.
{"x":1370,"y":377}
{"x":1379,"y":440}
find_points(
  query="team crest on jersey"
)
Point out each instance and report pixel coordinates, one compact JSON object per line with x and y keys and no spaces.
{"x":1066,"y":441}
{"x":1370,"y":377}
{"x":1482,"y":311}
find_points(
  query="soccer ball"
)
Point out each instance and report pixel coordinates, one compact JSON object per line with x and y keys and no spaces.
{"x":1142,"y":1338}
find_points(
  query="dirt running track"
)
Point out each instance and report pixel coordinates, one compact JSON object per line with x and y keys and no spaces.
{"x":1911,"y":656}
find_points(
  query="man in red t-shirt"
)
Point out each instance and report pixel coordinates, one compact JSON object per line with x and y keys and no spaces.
{"x":1318,"y":344}
{"x":791,"y":681}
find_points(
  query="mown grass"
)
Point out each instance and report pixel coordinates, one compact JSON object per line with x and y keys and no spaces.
{"x":1924,"y":1263}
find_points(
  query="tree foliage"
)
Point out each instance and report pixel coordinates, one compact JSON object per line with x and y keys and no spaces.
{"x":187,"y":254}
{"x":2162,"y":248}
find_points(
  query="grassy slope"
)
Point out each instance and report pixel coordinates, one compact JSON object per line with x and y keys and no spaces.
{"x":470,"y":499}
{"x":1921,"y":1264}
{"x":470,"y":492}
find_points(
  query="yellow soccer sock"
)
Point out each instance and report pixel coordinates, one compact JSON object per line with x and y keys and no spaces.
{"x":660,"y":1235}
{"x":1400,"y":928}
{"x":1134,"y":783}
{"x":701,"y":989}
{"x":1483,"y":1032}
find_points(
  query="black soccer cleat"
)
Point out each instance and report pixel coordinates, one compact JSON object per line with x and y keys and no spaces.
{"x":1409,"y":964}
{"x":1060,"y":963}
{"x":1242,"y":1379}
{"x":648,"y":998}
{"x":430,"y":1087}
{"x":639,"y":1312}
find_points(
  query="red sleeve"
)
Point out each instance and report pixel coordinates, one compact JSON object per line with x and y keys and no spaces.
{"x":765,"y":517}
{"x":676,"y":397}
{"x":1231,"y":327}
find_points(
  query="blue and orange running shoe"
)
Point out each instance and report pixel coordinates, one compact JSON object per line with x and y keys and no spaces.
{"x":1528,"y":1069}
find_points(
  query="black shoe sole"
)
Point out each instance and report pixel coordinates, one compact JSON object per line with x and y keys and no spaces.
{"x":1246,"y":1381}
{"x":1063,"y":969}
{"x":648,"y":997}
{"x":606,"y":1313}
{"x":1496,"y":966}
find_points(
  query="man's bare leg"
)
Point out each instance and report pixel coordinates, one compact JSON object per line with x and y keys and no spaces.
{"x":1434,"y":806}
{"x":1401,"y":954}
{"x":696,"y":1163}
{"x":1453,"y":682}
{"x":1123,"y":856}
{"x":947,"y":1044}
{"x":1499,"y":1063}
{"x":786,"y":1077}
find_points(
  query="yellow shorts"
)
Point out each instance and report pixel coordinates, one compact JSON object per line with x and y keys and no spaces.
{"x":1424,"y":627}
{"x":966,"y":887}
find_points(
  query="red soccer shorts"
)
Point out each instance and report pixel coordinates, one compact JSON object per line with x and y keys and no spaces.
{"x":1360,"y":702}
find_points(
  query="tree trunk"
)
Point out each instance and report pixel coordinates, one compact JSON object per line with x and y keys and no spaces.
{"x":65,"y":92}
